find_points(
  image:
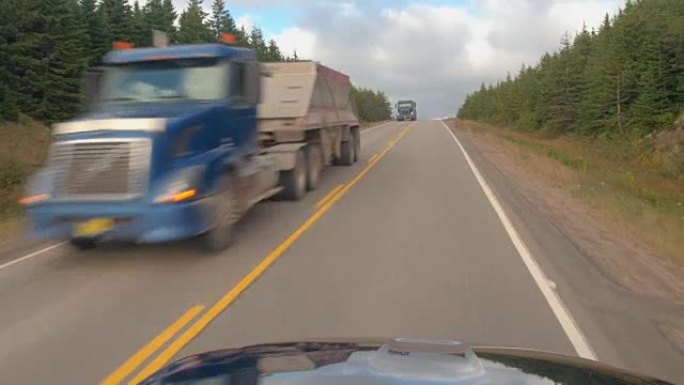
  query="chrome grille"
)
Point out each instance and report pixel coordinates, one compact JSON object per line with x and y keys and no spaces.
{"x":101,"y":169}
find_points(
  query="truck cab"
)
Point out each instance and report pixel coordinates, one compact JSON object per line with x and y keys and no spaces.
{"x":165,"y":130}
{"x":406,"y":110}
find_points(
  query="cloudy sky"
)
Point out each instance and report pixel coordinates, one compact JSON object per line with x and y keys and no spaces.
{"x":432,"y":51}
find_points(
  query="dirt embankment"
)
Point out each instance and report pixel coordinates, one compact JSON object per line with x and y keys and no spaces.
{"x":623,"y":210}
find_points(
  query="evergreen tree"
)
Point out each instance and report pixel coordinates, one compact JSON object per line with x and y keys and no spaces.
{"x":273,"y":52}
{"x":242,"y":37}
{"x":371,"y":106}
{"x":140,"y":31}
{"x":9,"y":17}
{"x":221,"y":20}
{"x":169,"y":17}
{"x":50,"y":59}
{"x":118,"y":19}
{"x":93,"y":25}
{"x":625,"y":79}
{"x":192,"y":26}
{"x":46,"y":44}
{"x":258,"y":44}
{"x":160,"y":16}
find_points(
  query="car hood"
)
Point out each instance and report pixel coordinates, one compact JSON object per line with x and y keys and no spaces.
{"x":388,"y":362}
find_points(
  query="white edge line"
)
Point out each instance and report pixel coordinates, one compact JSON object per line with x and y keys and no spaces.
{"x":563,"y":315}
{"x":28,"y":256}
{"x":374,"y":127}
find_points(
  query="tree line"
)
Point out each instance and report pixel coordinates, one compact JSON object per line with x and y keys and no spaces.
{"x":372,"y":106}
{"x":625,"y":79}
{"x":46,"y":44}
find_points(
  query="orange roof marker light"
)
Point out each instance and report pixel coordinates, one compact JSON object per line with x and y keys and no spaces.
{"x":228,"y":38}
{"x":122,"y":45}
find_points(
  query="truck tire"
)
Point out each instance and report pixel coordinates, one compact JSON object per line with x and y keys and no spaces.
{"x":294,"y":181}
{"x":314,"y":164}
{"x":83,"y":244}
{"x":347,"y":152}
{"x":356,"y":134}
{"x":225,"y":212}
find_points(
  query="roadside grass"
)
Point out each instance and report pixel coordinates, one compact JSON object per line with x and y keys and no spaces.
{"x":631,"y":186}
{"x":22,"y":150}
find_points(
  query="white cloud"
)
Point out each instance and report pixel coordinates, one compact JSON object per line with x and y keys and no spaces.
{"x":438,"y":54}
{"x":296,"y":39}
{"x":246,"y":21}
{"x":435,"y":54}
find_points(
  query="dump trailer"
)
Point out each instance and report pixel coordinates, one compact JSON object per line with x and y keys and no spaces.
{"x":179,"y":142}
{"x":309,"y":106}
{"x":406,"y":110}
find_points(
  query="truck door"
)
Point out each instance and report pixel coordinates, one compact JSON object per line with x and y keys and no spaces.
{"x":244,"y":119}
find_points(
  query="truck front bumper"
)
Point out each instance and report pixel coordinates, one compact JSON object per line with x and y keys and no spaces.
{"x":140,"y":222}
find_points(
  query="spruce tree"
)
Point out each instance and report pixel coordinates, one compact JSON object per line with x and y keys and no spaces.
{"x":118,"y":19}
{"x":626,"y":79}
{"x":221,"y":20}
{"x":258,"y":44}
{"x":273,"y":52}
{"x":169,"y":17}
{"x":140,"y":31}
{"x":9,"y":15}
{"x":94,"y":29}
{"x":160,"y":16}
{"x":50,"y":60}
{"x":192,"y":26}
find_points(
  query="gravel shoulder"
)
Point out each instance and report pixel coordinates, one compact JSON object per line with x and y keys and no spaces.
{"x":552,"y":186}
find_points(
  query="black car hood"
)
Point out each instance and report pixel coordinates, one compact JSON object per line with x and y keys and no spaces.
{"x":388,"y":362}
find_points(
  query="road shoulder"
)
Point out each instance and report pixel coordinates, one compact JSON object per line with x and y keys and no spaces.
{"x":618,"y":321}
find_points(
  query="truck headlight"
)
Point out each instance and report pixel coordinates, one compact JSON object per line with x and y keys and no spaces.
{"x":182,"y":186}
{"x":33,"y":199}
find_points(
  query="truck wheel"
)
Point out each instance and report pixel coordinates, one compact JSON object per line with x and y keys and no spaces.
{"x":314,"y":163}
{"x":294,"y":181}
{"x":220,"y":234}
{"x":83,"y":244}
{"x":357,"y":144}
{"x":347,"y":152}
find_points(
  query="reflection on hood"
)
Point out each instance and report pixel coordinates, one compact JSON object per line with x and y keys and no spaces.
{"x":388,"y":362}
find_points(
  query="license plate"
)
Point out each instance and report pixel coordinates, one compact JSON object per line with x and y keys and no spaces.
{"x":93,"y":227}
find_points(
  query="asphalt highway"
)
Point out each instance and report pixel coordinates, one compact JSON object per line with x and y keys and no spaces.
{"x":420,"y":238}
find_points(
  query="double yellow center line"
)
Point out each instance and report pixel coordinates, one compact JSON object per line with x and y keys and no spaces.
{"x":329,"y":196}
{"x":195,"y":329}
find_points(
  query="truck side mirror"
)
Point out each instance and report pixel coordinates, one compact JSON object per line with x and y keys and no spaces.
{"x":253,"y":77}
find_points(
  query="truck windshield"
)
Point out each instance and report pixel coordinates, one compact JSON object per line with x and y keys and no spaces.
{"x":194,"y":79}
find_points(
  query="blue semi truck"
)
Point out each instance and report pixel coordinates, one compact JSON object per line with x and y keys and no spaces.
{"x":180,"y":141}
